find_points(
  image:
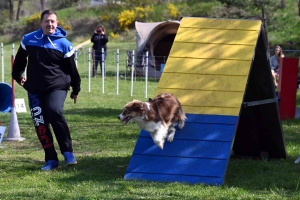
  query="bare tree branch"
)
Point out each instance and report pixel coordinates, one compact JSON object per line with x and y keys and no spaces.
{"x":42,"y":5}
{"x":282,"y":3}
{"x":11,"y":10}
{"x":298,"y":2}
{"x":19,"y":10}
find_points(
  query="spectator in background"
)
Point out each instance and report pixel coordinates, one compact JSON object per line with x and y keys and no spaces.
{"x":51,"y":71}
{"x":275,"y":63}
{"x":99,"y":40}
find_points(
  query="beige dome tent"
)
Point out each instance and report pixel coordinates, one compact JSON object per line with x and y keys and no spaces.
{"x":156,"y":38}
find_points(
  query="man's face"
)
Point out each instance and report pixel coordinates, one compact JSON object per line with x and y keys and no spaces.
{"x":49,"y":24}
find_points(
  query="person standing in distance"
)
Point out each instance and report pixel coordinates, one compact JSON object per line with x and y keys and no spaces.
{"x":275,"y":63}
{"x":51,"y":70}
{"x":99,"y":40}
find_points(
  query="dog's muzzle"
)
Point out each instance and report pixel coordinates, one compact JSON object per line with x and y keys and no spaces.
{"x":124,"y":119}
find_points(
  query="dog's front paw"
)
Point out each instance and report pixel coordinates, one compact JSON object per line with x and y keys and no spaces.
{"x":171,"y":133}
{"x":170,"y":138}
{"x":160,"y":144}
{"x":181,"y":124}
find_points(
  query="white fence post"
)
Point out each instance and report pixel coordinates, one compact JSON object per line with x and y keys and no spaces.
{"x":103,"y":69}
{"x":118,"y":67}
{"x":89,"y":70}
{"x":2,"y":56}
{"x":132,"y":73}
{"x":146,"y":75}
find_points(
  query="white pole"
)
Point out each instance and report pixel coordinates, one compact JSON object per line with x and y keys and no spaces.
{"x":132,"y":72}
{"x":2,"y":56}
{"x":103,"y":69}
{"x":76,"y":56}
{"x":146,"y":76}
{"x":89,"y":74}
{"x":118,"y":60}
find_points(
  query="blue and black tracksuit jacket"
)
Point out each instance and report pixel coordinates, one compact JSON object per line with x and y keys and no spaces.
{"x":50,"y":63}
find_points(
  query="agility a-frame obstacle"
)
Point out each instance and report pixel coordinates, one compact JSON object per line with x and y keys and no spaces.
{"x":219,"y":71}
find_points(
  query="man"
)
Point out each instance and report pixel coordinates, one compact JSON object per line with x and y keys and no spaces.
{"x":51,"y":70}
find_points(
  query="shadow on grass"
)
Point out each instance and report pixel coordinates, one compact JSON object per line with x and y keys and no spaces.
{"x":97,"y":169}
{"x":122,"y":74}
{"x":257,"y":174}
{"x":95,"y":113}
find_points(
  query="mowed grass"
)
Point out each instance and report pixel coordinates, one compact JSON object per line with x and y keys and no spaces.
{"x":103,"y":147}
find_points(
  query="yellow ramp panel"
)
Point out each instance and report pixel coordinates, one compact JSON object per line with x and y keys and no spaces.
{"x":207,"y":66}
{"x":211,"y":110}
{"x":200,"y":35}
{"x":203,"y":82}
{"x":216,"y":51}
{"x":202,"y":100}
{"x":214,"y":23}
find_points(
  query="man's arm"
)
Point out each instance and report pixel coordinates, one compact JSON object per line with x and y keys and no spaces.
{"x":75,"y":77}
{"x":19,"y":65}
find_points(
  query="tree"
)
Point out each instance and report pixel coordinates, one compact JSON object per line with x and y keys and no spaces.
{"x":19,"y":10}
{"x":11,"y":10}
{"x":42,"y":5}
{"x":282,"y":3}
{"x":298,"y":2}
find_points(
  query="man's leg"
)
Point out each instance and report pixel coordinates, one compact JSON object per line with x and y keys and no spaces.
{"x":54,"y":106}
{"x":41,"y":124}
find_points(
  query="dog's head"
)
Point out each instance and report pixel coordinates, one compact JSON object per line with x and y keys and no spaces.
{"x":132,"y":110}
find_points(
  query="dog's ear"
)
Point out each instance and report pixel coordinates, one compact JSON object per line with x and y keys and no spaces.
{"x":150,"y":99}
{"x":137,"y":103}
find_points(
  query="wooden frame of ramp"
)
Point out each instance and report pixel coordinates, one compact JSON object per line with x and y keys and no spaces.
{"x":219,"y":70}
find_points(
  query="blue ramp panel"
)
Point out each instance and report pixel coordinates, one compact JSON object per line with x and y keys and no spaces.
{"x":198,"y":154}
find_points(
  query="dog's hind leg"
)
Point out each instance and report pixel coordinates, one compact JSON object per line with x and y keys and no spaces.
{"x":171,"y":133}
{"x":181,"y":124}
{"x":181,"y":118}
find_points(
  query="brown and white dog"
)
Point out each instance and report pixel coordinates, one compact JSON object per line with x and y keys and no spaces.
{"x":158,"y":116}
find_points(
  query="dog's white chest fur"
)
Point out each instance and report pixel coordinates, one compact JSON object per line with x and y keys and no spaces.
{"x":149,"y":126}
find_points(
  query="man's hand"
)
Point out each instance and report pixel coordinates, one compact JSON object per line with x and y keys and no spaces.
{"x":72,"y":96}
{"x":22,"y":81}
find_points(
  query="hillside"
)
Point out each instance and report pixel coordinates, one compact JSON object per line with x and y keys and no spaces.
{"x":80,"y":19}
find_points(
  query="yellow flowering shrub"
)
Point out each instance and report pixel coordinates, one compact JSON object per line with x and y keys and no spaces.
{"x":113,"y":35}
{"x":33,"y":21}
{"x":65,"y":26}
{"x":127,"y":17}
{"x":33,"y":18}
{"x":105,"y":17}
{"x":174,"y":12}
{"x":143,"y":12}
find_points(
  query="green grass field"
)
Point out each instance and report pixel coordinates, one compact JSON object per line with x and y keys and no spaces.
{"x":103,"y":147}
